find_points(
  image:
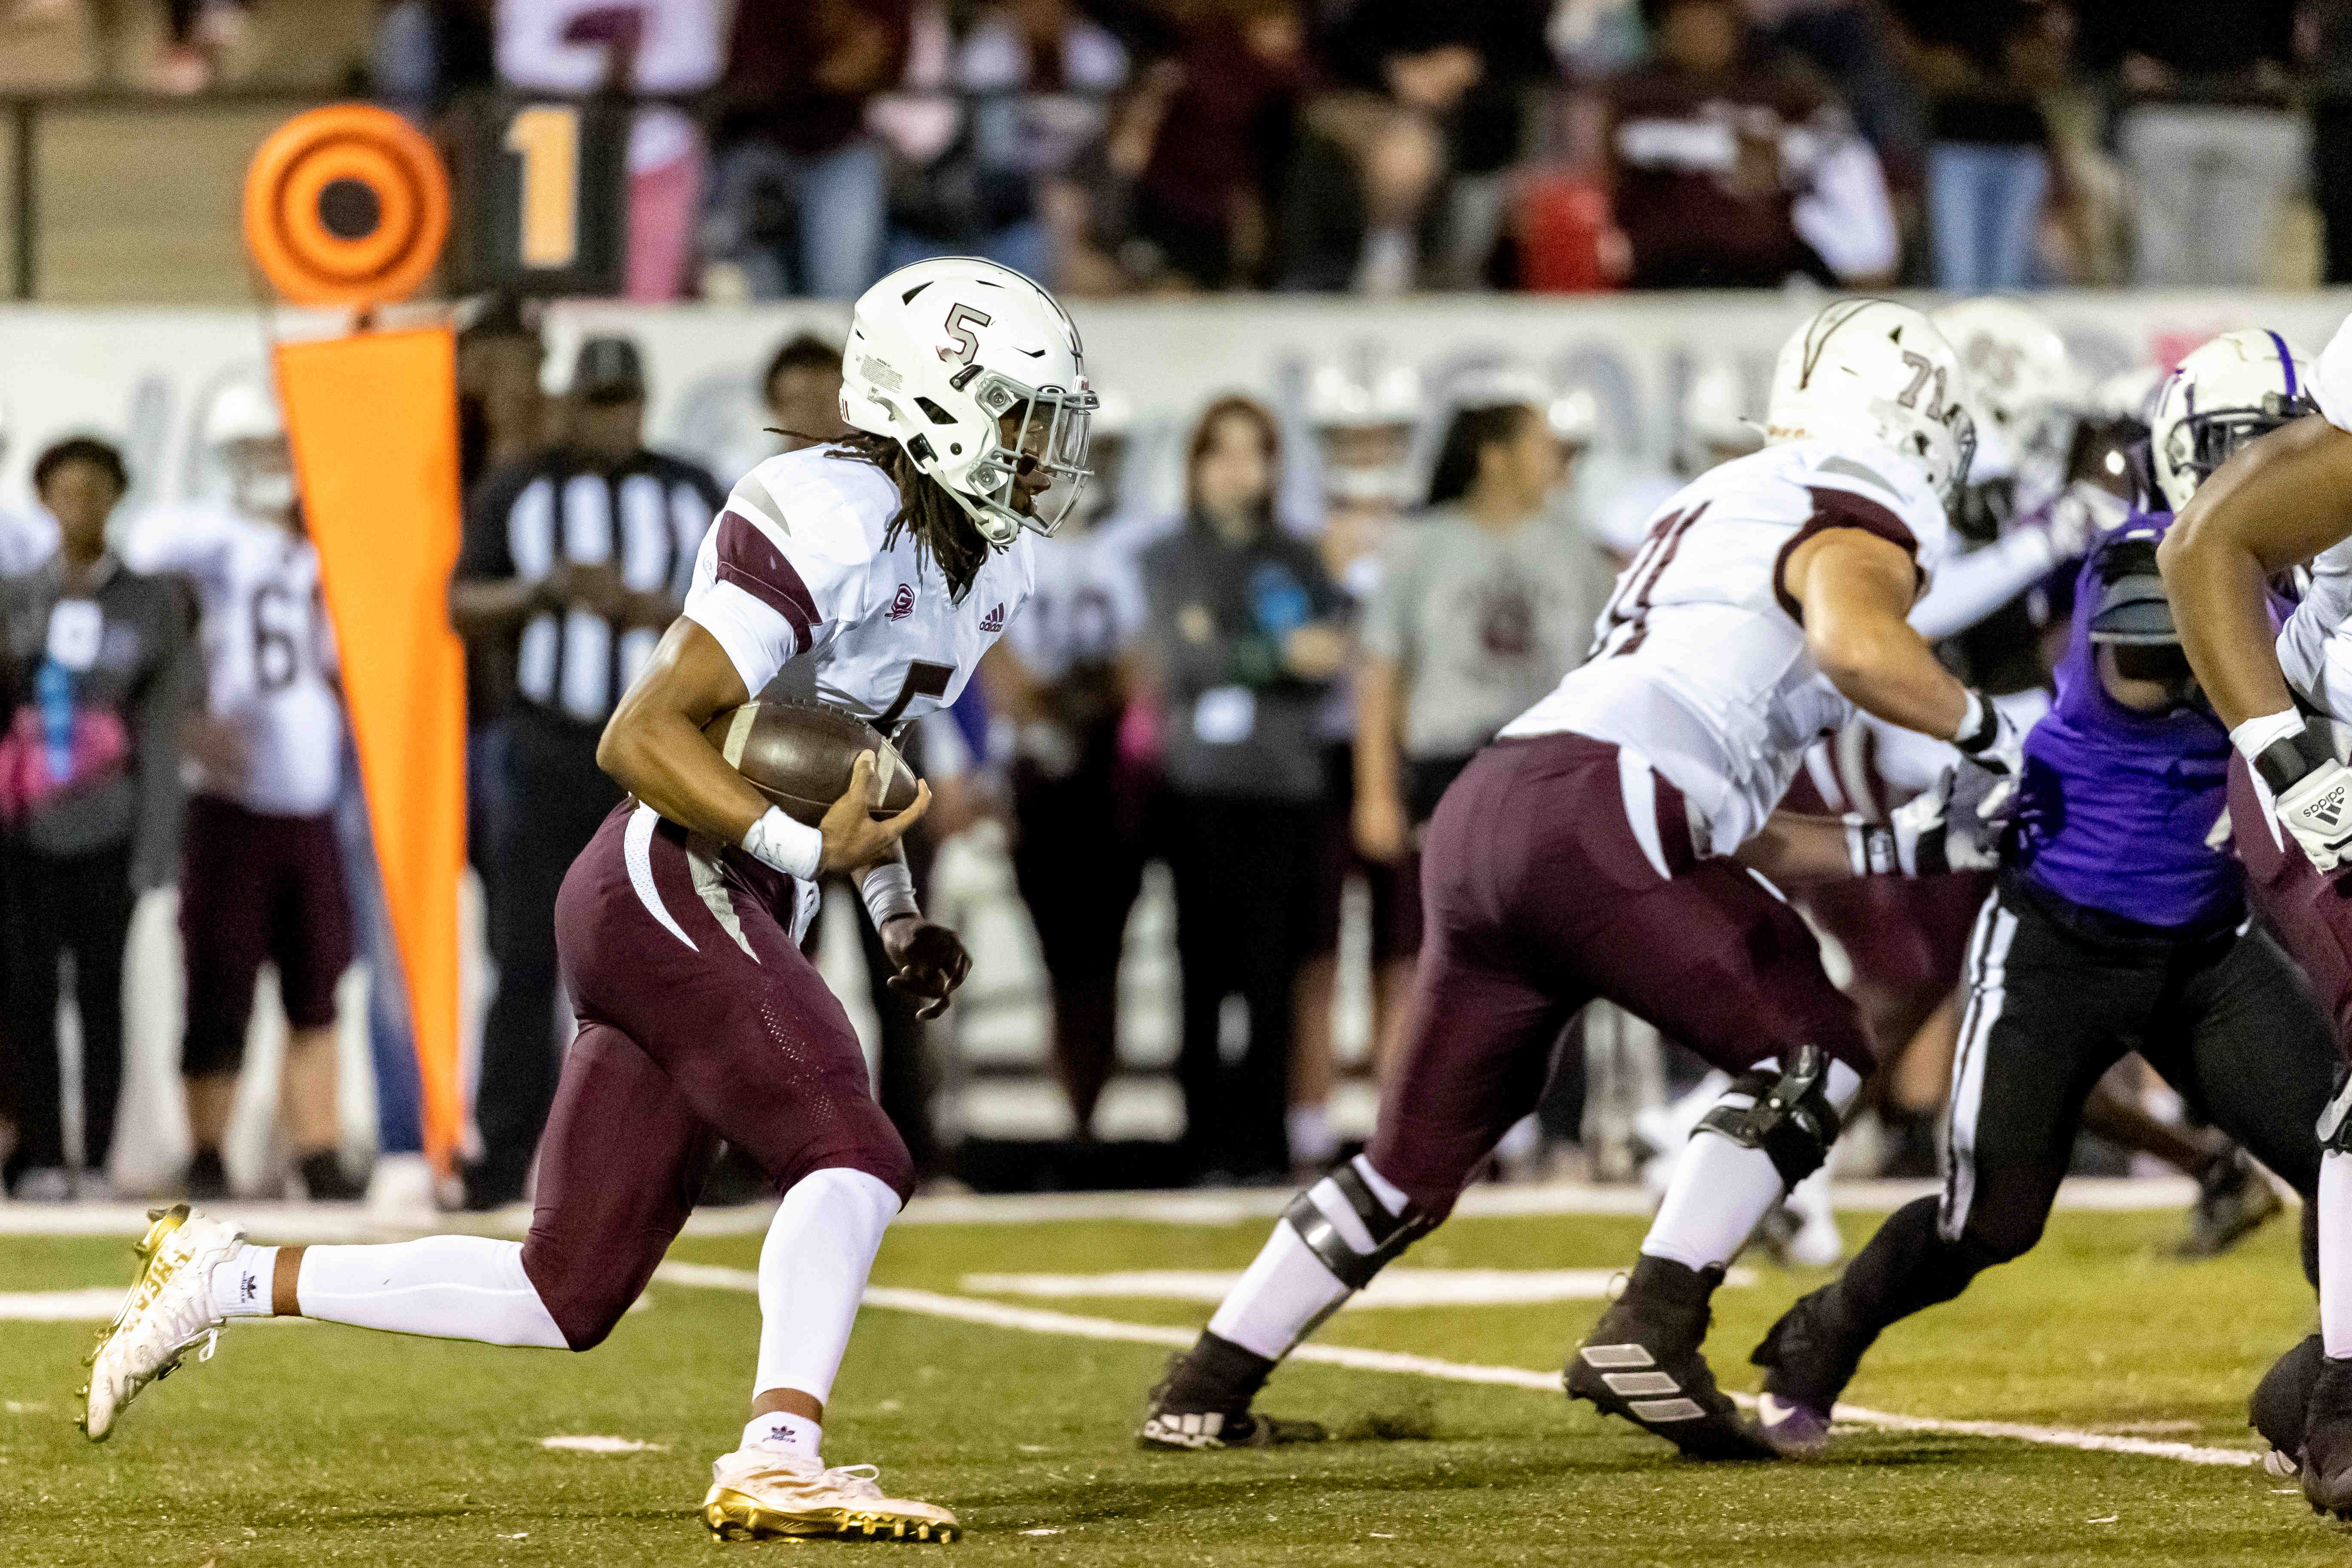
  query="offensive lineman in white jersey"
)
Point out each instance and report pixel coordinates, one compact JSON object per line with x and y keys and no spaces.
{"x":1587,"y":853}
{"x":261,"y":875}
{"x":2280,"y":501}
{"x":876,"y":569}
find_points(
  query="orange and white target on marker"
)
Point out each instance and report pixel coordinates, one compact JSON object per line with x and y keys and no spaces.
{"x":346,"y":205}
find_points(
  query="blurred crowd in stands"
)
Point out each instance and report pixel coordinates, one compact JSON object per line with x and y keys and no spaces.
{"x":1117,"y":147}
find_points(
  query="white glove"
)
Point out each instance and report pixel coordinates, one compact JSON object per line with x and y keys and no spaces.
{"x":1924,"y":837}
{"x":2317,"y":809}
{"x":1991,"y":742}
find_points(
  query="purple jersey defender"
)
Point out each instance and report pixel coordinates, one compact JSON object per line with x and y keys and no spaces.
{"x":2117,"y":808}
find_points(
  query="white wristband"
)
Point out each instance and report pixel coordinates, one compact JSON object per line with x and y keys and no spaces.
{"x":794,"y":848}
{"x":889,"y":892}
{"x":1972,"y":717}
{"x":2256,"y":736}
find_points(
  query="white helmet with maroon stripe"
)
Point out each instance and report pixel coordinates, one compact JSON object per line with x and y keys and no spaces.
{"x":1877,"y":374}
{"x":2227,"y":392}
{"x":978,"y":375}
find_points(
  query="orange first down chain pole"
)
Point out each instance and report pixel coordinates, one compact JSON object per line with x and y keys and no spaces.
{"x":373,"y":420}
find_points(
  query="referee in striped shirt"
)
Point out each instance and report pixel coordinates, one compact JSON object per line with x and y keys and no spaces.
{"x":576,"y":560}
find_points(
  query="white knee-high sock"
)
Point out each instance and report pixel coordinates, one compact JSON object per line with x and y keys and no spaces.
{"x":1287,"y":1288}
{"x":2335,"y":1254}
{"x":813,"y":1269}
{"x":1720,"y":1189}
{"x":450,"y":1287}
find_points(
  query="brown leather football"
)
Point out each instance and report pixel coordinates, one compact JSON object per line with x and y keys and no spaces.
{"x":799,"y":754}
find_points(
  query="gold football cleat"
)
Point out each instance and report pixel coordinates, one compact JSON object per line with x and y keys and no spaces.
{"x":764,"y":1494}
{"x":167,"y":1314}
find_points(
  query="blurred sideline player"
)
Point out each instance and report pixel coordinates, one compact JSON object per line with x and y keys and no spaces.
{"x":1363,"y":417}
{"x":883,"y":566}
{"x":262,"y":874}
{"x":1589,"y":852}
{"x":2119,"y":923}
{"x":2282,"y":501}
{"x":1061,"y":677}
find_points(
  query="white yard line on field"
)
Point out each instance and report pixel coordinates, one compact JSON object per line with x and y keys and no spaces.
{"x":1038,"y":1321}
{"x":351,"y":1222}
{"x":98,"y":1305}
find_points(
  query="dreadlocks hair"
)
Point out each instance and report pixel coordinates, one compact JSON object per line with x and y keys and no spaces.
{"x":941,"y":529}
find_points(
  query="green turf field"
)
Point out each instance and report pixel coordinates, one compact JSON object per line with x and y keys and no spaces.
{"x":310,"y":1444}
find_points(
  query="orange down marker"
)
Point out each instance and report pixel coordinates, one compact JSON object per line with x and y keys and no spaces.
{"x":349,"y":206}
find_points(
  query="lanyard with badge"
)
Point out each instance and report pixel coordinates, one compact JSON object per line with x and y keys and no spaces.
{"x":76,"y":628}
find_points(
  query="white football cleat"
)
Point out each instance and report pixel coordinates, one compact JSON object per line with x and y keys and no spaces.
{"x":167,"y":1314}
{"x":760,"y":1494}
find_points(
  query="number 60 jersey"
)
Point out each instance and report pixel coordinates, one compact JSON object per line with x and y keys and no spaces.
{"x":1699,"y":661}
{"x":795,"y":572}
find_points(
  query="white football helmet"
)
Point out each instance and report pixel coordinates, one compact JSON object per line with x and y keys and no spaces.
{"x":978,"y":375}
{"x":1338,"y":399}
{"x":2228,"y":392}
{"x":242,"y":411}
{"x":1877,"y":372}
{"x":2016,"y":362}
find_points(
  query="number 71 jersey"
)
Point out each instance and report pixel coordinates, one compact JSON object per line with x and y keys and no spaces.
{"x":1699,"y":661}
{"x":796,"y":578}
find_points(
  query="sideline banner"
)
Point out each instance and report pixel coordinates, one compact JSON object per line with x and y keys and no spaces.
{"x":374,"y":421}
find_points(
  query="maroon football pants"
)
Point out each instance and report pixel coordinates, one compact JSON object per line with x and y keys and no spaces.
{"x":700,"y":1019}
{"x":1559,"y":870}
{"x":2311,"y":913}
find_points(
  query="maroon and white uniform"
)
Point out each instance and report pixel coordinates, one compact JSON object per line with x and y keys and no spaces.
{"x":700,"y":1018}
{"x":261,"y":875}
{"x":1585,"y":853}
{"x":2310,"y":912}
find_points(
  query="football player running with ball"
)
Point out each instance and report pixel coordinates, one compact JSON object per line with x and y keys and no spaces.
{"x":875,"y":572}
{"x":2286,"y":694}
{"x":1588,"y":853}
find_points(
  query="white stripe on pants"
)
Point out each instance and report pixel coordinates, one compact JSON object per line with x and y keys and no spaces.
{"x":1987,"y":974}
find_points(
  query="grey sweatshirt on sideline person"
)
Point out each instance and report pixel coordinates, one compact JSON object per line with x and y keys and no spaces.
{"x":127,"y":663}
{"x":1217,"y":615}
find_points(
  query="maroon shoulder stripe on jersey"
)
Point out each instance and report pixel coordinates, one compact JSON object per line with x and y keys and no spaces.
{"x":750,"y":559}
{"x":1838,"y":509}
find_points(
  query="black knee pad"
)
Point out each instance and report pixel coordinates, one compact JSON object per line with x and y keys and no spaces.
{"x":1392,"y":1233}
{"x":1791,"y":1120}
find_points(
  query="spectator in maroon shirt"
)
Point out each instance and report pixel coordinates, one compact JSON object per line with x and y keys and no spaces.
{"x":797,"y":201}
{"x":1728,"y":170}
{"x":1223,"y":138}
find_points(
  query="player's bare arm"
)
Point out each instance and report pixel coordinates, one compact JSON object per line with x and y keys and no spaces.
{"x":2281,"y":500}
{"x":1857,"y":589}
{"x":654,"y":748}
{"x":1381,"y":828}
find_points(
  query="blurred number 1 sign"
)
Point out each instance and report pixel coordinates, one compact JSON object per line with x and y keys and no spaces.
{"x":543,"y":198}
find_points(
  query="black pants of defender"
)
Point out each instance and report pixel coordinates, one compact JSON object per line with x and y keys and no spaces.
{"x":553,"y":799}
{"x":2230,"y":1023}
{"x":1245,"y":873}
{"x":77,"y":904}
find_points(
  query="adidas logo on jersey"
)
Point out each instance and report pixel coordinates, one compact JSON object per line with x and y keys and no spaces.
{"x":902,"y":603}
{"x":994,"y":621}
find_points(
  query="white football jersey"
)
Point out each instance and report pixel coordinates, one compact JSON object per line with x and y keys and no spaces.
{"x":1699,"y":662}
{"x":796,"y":573}
{"x":269,"y":659}
{"x":2315,"y":648}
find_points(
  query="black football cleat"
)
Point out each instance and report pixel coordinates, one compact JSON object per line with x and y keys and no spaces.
{"x":1203,"y":1402}
{"x":1807,"y":1357}
{"x":1643,"y":1361}
{"x":2281,"y":1402}
{"x":2327,"y":1440}
{"x":2234,"y":1201}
